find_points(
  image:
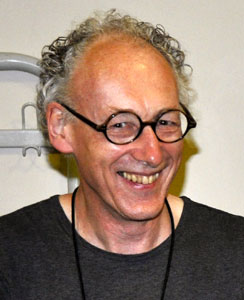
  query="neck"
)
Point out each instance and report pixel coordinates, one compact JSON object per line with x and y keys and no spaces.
{"x":119,"y":235}
{"x":126,"y":237}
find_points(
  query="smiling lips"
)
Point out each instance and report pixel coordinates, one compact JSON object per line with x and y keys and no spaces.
{"x":142,"y":179}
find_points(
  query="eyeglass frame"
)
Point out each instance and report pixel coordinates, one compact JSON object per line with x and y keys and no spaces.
{"x":191,"y":123}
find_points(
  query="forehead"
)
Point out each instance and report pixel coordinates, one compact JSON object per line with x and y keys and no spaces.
{"x":123,"y":74}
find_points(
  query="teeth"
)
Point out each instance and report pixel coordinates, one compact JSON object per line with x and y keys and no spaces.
{"x":140,"y":179}
{"x":145,"y":180}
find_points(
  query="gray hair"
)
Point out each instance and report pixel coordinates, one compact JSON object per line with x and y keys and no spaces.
{"x":58,"y":59}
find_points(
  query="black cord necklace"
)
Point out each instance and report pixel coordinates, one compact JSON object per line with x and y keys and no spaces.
{"x":171,"y":249}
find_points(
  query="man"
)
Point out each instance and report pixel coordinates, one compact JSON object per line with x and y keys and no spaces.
{"x":114,"y":94}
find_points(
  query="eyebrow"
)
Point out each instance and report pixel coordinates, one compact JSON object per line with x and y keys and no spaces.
{"x":115,"y":110}
{"x":153,"y":119}
{"x":164,"y":110}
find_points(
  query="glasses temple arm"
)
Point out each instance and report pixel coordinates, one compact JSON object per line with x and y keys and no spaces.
{"x":82,"y":118}
{"x":191,"y":120}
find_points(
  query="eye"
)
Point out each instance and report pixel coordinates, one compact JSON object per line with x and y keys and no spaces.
{"x":119,"y":125}
{"x":165,"y":122}
{"x":168,"y":123}
{"x":122,"y":125}
{"x":124,"y":121}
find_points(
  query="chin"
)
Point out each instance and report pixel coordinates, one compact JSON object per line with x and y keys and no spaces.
{"x":141,"y":214}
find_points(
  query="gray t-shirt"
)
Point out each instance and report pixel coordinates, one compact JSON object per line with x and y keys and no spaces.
{"x":37,"y":259}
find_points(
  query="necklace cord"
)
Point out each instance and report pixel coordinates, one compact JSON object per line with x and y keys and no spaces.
{"x":172,"y":240}
{"x":76,"y":246}
{"x":171,"y":249}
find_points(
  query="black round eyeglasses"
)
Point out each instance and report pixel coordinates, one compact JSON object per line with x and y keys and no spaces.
{"x":124,"y":127}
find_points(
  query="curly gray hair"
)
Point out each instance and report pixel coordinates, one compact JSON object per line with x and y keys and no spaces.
{"x":58,"y":59}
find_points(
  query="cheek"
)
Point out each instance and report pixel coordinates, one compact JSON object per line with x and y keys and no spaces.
{"x":175,"y":151}
{"x":93,"y":152}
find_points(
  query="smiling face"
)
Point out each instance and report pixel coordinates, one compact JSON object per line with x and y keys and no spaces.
{"x":129,"y":181}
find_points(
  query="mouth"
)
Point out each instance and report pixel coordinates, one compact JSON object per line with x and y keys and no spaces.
{"x":141,"y":179}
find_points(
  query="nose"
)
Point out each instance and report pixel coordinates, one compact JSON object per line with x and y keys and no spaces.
{"x":147,"y":148}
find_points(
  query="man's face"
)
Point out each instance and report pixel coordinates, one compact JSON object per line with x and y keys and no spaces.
{"x":114,"y":76}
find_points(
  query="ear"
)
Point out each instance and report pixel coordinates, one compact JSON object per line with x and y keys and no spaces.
{"x":58,"y":131}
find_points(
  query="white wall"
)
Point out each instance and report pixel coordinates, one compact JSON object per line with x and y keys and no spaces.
{"x":212,"y":33}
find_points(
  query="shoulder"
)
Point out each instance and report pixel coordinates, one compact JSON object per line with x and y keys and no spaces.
{"x":212,"y":222}
{"x":200,"y":208}
{"x":32,"y":240}
{"x":214,"y":241}
{"x":26,"y":231}
{"x":22,"y":221}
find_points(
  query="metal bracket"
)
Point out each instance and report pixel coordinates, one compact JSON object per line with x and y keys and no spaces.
{"x":27,"y":138}
{"x":24,"y":138}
